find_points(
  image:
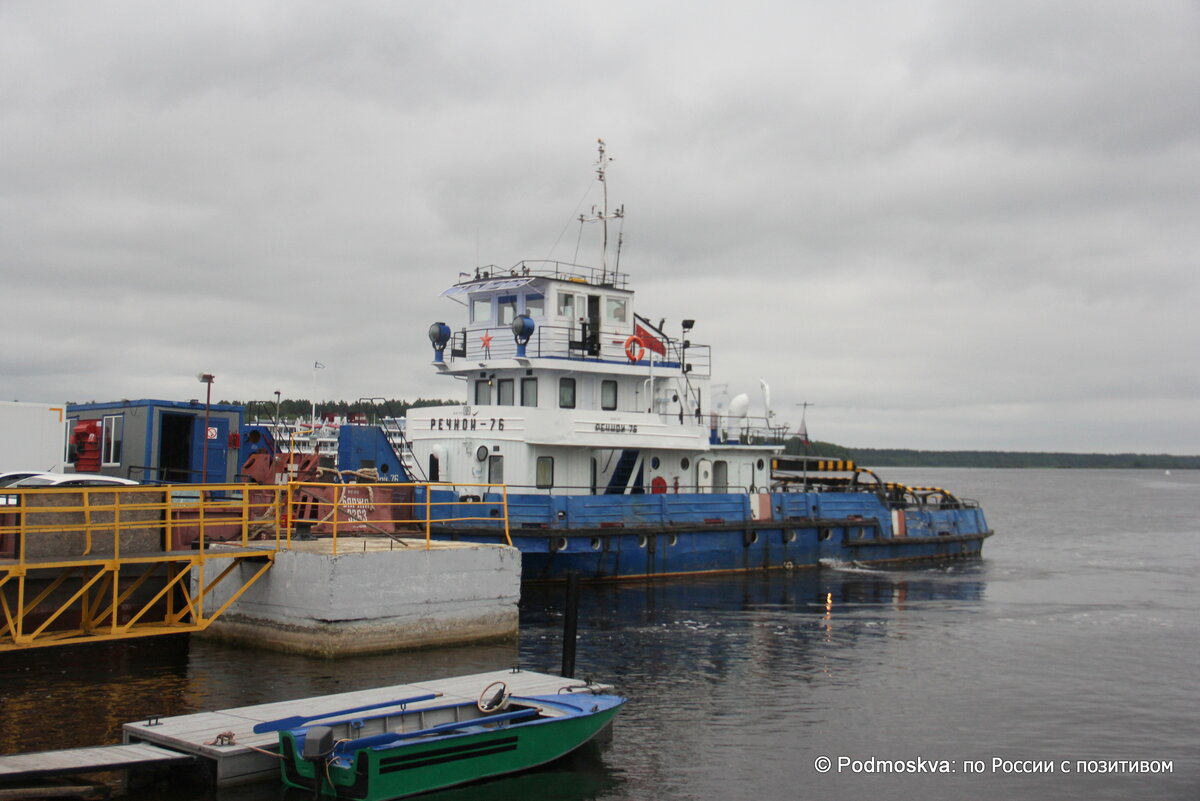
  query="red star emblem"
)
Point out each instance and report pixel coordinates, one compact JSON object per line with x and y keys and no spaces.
{"x":487,"y":341}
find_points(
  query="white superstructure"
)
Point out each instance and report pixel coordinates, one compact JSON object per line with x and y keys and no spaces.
{"x":570,"y":391}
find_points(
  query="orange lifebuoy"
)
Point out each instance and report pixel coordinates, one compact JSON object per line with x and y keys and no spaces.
{"x":634,"y":349}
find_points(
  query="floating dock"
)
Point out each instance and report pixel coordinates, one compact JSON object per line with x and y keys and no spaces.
{"x":44,"y":764}
{"x":226,"y":740}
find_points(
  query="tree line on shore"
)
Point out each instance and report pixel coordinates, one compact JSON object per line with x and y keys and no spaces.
{"x":374,"y":409}
{"x":901,"y":457}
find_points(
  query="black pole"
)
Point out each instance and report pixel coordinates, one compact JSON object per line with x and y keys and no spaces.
{"x":570,"y":624}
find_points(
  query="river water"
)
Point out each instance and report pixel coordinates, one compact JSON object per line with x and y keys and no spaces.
{"x":1064,"y":664}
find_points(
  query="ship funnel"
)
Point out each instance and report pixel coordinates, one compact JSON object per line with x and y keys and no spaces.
{"x":740,"y":405}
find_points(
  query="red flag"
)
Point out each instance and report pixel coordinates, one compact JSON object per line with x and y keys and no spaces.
{"x":651,"y":337}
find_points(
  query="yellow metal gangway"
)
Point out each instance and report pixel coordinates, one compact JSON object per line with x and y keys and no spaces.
{"x":88,"y":563}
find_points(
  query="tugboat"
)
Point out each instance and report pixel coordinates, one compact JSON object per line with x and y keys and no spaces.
{"x":617,"y":459}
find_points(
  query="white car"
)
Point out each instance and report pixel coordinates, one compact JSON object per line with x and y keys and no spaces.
{"x":69,"y":480}
{"x":59,"y":480}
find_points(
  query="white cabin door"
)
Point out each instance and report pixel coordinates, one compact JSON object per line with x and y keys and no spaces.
{"x":746,"y":477}
{"x":704,"y":475}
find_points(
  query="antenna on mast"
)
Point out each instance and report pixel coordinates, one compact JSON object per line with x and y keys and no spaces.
{"x":602,"y":214}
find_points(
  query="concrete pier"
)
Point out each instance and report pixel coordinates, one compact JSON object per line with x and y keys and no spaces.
{"x":376,"y":594}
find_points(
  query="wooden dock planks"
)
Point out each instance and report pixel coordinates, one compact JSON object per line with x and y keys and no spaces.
{"x":86,"y":760}
{"x":240,"y":762}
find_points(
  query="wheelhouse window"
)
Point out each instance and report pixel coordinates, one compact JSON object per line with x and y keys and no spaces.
{"x":483,"y":392}
{"x":545,"y":472}
{"x":529,"y":391}
{"x":481,"y":310}
{"x":566,"y":305}
{"x":505,"y":392}
{"x":507,"y":308}
{"x":618,"y":309}
{"x":566,"y":393}
{"x":114,"y":431}
{"x":535,"y":305}
{"x":608,"y":395}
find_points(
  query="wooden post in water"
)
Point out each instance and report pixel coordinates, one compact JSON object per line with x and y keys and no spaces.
{"x":570,"y":625}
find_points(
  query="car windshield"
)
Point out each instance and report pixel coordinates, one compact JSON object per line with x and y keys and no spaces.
{"x":35,"y":481}
{"x":7,"y":480}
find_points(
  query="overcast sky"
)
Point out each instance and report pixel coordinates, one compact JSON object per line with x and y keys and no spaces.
{"x":946,"y":225}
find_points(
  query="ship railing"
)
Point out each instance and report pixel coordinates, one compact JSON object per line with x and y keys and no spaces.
{"x":584,"y":490}
{"x":575,"y":342}
{"x":547,"y":268}
{"x":901,"y":496}
{"x":731,"y":430}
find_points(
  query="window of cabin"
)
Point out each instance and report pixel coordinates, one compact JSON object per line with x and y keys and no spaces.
{"x":566,"y":393}
{"x":617,"y":309}
{"x":507,"y":308}
{"x":529,"y":391}
{"x":505,"y":388}
{"x":483,"y":392}
{"x":535,"y":305}
{"x":495,"y":469}
{"x":566,"y":305}
{"x":608,"y":395}
{"x":545,"y":472}
{"x":114,"y":431}
{"x":481,"y":310}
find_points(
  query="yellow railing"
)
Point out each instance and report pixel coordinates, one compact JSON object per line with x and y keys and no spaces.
{"x":393,"y":508}
{"x":81,"y":564}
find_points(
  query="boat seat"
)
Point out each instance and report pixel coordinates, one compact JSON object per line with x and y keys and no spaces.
{"x":386,"y":738}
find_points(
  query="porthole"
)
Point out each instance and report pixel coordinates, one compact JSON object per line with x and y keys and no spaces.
{"x":825,"y":534}
{"x":595,"y":543}
{"x":685,"y":463}
{"x":481,"y":453}
{"x":789,"y":536}
{"x":760,"y":464}
{"x":753,"y":538}
{"x":559,"y":544}
{"x":673,"y":540}
{"x":641,"y":540}
{"x":654,"y":463}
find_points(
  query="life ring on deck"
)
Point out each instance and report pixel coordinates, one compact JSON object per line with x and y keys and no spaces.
{"x":634,"y":349}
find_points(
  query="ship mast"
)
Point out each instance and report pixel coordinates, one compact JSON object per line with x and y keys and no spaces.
{"x":602,"y":215}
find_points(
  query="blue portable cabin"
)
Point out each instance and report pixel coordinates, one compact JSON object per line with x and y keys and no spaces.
{"x":161,"y":441}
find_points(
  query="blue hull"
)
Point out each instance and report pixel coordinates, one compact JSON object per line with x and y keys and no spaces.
{"x":644,"y":536}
